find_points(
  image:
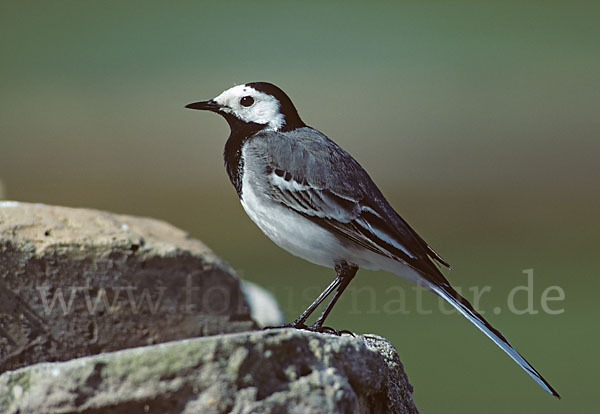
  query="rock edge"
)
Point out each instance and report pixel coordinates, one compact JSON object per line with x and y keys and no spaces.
{"x":271,"y":371}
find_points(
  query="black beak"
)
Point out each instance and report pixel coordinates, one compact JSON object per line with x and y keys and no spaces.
{"x":205,"y":106}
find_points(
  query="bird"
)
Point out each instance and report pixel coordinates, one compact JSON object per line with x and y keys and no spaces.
{"x":314,"y":200}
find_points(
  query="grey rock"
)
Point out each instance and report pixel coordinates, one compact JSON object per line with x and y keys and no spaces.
{"x":264,"y":308}
{"x":271,"y":371}
{"x":76,"y":282}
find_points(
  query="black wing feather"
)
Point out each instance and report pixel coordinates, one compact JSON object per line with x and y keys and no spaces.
{"x":365,"y":225}
{"x":312,"y":175}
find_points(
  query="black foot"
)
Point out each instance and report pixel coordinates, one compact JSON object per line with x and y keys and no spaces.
{"x":329,"y":330}
{"x":325,"y":329}
{"x":313,"y":328}
{"x":287,"y":325}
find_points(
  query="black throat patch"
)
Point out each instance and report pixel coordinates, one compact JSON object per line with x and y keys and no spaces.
{"x":240,"y":133}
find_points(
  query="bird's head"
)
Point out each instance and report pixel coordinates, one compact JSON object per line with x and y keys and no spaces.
{"x":254,"y":106}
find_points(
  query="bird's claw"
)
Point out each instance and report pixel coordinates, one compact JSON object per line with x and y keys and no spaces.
{"x":288,"y":325}
{"x":313,"y":328}
{"x":329,"y":330}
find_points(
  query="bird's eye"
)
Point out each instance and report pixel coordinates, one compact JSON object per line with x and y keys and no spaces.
{"x":247,"y":101}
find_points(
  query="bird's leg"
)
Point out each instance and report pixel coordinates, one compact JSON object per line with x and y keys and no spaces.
{"x":299,"y":321}
{"x":346,"y":273}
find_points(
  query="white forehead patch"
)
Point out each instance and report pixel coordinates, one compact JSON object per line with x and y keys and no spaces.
{"x":264,"y":110}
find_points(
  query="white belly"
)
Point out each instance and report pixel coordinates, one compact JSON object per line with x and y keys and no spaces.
{"x":292,"y":232}
{"x":303,"y":238}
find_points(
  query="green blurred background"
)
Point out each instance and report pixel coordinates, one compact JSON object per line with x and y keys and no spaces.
{"x":479,"y":121}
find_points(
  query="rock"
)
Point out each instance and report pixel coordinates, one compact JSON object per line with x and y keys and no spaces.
{"x":271,"y":371}
{"x":264,"y":308}
{"x":76,"y":282}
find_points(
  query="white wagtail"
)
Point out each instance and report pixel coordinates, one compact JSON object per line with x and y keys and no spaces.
{"x":314,"y":200}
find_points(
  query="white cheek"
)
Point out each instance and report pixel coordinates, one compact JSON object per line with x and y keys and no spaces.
{"x":265,"y":113}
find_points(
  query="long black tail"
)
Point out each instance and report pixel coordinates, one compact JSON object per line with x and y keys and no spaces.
{"x":464,"y":307}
